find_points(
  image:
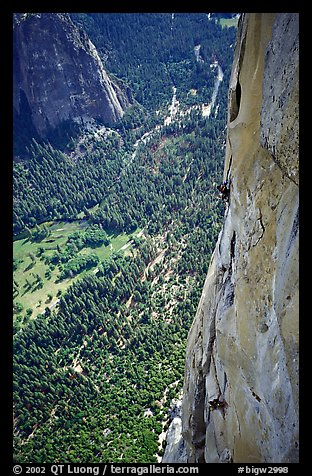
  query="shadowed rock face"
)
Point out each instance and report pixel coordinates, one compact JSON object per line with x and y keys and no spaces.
{"x":58,"y":74}
{"x":242,"y":349}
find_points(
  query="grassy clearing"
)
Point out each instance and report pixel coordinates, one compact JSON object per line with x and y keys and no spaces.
{"x":228,"y":22}
{"x":31,"y":266}
{"x":116,"y":243}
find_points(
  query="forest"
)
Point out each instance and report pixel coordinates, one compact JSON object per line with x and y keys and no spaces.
{"x":96,"y":375}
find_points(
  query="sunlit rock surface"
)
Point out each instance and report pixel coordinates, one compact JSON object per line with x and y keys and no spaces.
{"x":242,"y":349}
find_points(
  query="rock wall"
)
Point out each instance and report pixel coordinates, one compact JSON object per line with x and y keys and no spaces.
{"x":240,"y":399}
{"x":58,"y":73}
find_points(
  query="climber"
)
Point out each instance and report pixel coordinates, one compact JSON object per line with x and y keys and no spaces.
{"x":225,"y":191}
{"x":213,"y":404}
{"x":216,"y":403}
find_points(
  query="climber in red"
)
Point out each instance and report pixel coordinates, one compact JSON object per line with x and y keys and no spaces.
{"x":225,"y":191}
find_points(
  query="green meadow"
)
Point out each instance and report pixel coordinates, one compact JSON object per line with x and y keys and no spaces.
{"x":36,"y":282}
{"x":228,"y":22}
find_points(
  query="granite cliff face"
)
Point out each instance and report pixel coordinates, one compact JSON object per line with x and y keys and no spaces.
{"x":58,"y":74}
{"x":242,"y":349}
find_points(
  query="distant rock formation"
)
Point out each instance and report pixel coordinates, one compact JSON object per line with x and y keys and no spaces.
{"x":240,"y":392}
{"x":59,"y":76}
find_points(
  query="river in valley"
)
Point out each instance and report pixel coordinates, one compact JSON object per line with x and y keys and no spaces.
{"x":175,"y":114}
